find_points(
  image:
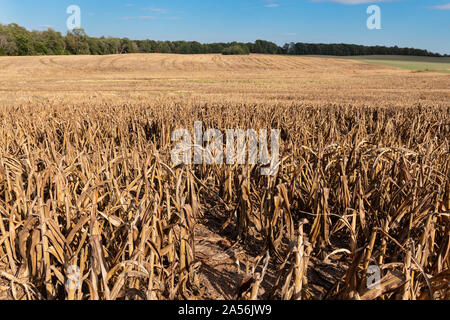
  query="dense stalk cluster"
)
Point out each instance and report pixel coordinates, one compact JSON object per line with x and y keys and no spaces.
{"x":92,"y":189}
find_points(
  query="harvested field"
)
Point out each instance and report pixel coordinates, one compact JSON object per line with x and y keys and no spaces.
{"x":87,"y":182}
{"x":137,"y":78}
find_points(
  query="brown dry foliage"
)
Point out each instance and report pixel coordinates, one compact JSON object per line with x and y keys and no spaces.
{"x":89,"y":184}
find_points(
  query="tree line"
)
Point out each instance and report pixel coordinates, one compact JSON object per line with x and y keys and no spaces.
{"x":18,"y":41}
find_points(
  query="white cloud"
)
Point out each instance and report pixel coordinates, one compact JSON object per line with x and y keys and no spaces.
{"x":139,"y":17}
{"x":148,"y":18}
{"x":271,"y":4}
{"x":353,"y":2}
{"x":441,"y":7}
{"x":157,"y":10}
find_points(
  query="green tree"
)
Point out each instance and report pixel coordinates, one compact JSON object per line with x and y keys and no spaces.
{"x":236,"y":50}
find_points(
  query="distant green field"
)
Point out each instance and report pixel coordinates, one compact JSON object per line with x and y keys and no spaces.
{"x":420,"y":64}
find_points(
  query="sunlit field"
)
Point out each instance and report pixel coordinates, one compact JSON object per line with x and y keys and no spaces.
{"x":419,"y":64}
{"x":87,"y":184}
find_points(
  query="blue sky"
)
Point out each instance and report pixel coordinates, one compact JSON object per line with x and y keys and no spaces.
{"x":407,"y":23}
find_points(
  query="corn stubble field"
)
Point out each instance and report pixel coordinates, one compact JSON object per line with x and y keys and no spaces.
{"x":86,"y":181}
